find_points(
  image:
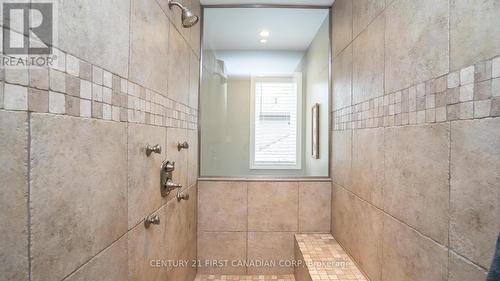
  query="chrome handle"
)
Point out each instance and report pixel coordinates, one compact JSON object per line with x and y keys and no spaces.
{"x":168,"y":166}
{"x":149,"y":220}
{"x":168,"y":186}
{"x":184,"y":145}
{"x":155,"y":148}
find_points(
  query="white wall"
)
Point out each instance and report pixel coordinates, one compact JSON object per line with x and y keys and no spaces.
{"x":316,"y":85}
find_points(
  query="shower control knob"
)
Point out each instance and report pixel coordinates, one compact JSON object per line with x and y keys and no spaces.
{"x":155,"y":148}
{"x":184,"y":145}
{"x":181,"y":196}
{"x":149,"y":220}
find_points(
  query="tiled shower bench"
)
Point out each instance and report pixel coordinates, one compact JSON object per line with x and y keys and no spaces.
{"x":323,"y":259}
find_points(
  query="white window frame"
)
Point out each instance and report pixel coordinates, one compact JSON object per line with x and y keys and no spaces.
{"x":276,"y":166}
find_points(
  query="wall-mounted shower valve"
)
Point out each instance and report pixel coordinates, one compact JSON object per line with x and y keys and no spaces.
{"x":149,"y":220}
{"x":166,"y":182}
{"x":155,"y":148}
{"x":184,"y":145}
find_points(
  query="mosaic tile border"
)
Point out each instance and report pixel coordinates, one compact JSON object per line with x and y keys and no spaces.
{"x":470,"y":93}
{"x":326,"y":259}
{"x":77,"y":88}
{"x":211,"y":277}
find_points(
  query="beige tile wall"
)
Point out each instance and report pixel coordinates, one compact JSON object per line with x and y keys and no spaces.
{"x":256,"y":221}
{"x":75,"y":181}
{"x":415,"y":193}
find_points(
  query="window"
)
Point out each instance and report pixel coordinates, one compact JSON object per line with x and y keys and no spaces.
{"x":276,"y":110}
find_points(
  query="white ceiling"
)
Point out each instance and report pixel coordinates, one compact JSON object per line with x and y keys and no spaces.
{"x":239,"y":28}
{"x":269,"y":2}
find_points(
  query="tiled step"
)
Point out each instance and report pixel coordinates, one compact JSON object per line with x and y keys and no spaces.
{"x":323,"y":259}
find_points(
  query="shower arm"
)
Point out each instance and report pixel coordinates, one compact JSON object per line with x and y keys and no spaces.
{"x":175,"y":3}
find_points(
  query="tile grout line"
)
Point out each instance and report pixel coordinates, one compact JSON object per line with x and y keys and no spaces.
{"x":449,"y":143}
{"x":449,"y":195}
{"x":384,"y":148}
{"x":29,"y":194}
{"x":115,"y":241}
{"x":407,"y":225}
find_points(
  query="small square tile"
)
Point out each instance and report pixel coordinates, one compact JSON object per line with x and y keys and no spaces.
{"x":130,"y":90}
{"x":430,"y":115}
{"x":72,"y":65}
{"x":60,"y":62}
{"x":412,"y":118}
{"x":85,"y":71}
{"x":440,"y":99}
{"x":440,"y":84}
{"x":495,"y":87}
{"x":123,"y":85}
{"x":482,"y":71}
{"x":441,"y":114}
{"x":467,"y":93}
{"x":116,"y":84}
{"x":115,"y":98}
{"x":495,"y":67}
{"x":467,"y":110}
{"x":57,"y":81}
{"x":467,"y":75}
{"x":106,"y":111}
{"x":106,"y":95}
{"x":495,"y":107}
{"x":97,"y":92}
{"x":96,"y":109}
{"x":15,"y":97}
{"x":72,"y":106}
{"x":57,"y":103}
{"x":397,"y":120}
{"x":452,"y":112}
{"x":85,"y":108}
{"x":97,"y":73}
{"x":38,"y":100}
{"x":17,"y":76}
{"x":123,"y":114}
{"x":107,"y":79}
{"x":115,"y":113}
{"x":482,"y":90}
{"x":72,"y":85}
{"x":453,"y":96}
{"x":39,"y":78}
{"x":482,"y":108}
{"x":123,"y":100}
{"x":85,"y":89}
{"x":421,"y":103}
{"x":430,"y":101}
{"x":453,"y":79}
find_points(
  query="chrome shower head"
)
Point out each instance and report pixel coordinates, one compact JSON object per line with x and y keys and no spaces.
{"x":188,"y":18}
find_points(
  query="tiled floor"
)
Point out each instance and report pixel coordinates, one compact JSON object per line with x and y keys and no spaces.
{"x":326,"y":260}
{"x":285,"y":277}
